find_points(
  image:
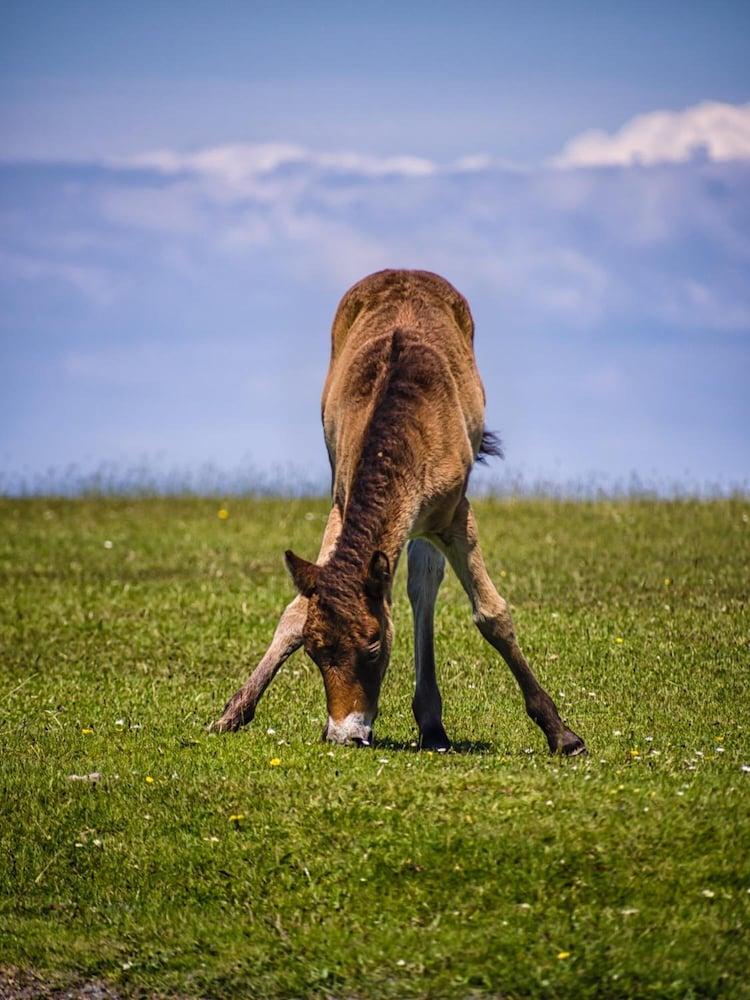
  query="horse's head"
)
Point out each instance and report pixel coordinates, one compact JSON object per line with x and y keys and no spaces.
{"x":348,"y":633}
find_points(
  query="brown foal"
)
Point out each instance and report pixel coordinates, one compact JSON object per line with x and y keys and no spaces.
{"x":403,"y":417}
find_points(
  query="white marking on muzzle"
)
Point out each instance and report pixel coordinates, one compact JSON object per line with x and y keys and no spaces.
{"x":356,"y":727}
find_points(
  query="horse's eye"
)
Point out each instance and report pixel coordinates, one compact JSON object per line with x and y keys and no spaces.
{"x":372,"y":650}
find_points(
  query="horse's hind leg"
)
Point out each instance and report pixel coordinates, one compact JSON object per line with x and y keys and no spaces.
{"x":426,"y":569}
{"x":492,"y":618}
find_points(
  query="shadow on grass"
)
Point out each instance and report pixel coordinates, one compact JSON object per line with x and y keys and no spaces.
{"x":479,"y":747}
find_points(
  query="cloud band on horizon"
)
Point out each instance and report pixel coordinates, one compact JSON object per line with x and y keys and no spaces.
{"x":172,"y":273}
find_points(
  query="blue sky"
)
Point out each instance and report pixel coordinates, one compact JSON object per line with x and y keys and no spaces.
{"x":187,"y":189}
{"x":440,"y":79}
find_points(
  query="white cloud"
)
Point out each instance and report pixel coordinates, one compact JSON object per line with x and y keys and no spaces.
{"x":240,"y":162}
{"x":710,"y":129}
{"x":186,"y":299}
{"x":578,"y":247}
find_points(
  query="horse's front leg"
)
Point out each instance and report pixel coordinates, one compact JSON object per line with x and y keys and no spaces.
{"x":426,"y":569}
{"x":240,"y":709}
{"x":287,"y":638}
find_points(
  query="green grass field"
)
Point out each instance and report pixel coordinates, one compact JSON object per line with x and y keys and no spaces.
{"x":267,"y":864}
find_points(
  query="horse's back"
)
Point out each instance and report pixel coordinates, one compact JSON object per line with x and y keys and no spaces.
{"x":432,"y":322}
{"x":426,"y":306}
{"x":416,"y":300}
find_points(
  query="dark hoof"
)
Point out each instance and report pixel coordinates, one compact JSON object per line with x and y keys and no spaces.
{"x":435,"y":738}
{"x":572,"y":745}
{"x":229,"y":723}
{"x":219,"y":726}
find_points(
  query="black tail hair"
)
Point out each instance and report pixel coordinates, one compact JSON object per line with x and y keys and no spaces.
{"x":491,"y":447}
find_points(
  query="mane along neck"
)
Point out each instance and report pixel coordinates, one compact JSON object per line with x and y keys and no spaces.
{"x":382,"y":500}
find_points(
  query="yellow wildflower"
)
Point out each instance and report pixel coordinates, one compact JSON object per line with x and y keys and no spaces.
{"x":87,"y":732}
{"x":236,"y":817}
{"x":635,"y":753}
{"x":275,"y":761}
{"x":619,"y":640}
{"x":563,"y":954}
{"x":149,"y":780}
{"x":223,"y":514}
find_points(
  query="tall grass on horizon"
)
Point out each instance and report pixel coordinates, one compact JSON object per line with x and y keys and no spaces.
{"x":158,"y":478}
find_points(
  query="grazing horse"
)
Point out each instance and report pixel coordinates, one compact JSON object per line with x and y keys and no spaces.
{"x":403,"y":417}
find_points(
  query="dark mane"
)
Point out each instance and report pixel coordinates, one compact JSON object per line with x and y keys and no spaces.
{"x":387,"y":450}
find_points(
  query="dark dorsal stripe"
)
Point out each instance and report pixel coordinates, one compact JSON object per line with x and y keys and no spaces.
{"x":386,"y":452}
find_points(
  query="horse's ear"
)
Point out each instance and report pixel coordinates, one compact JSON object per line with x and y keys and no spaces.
{"x":304,"y":573}
{"x":378,"y":578}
